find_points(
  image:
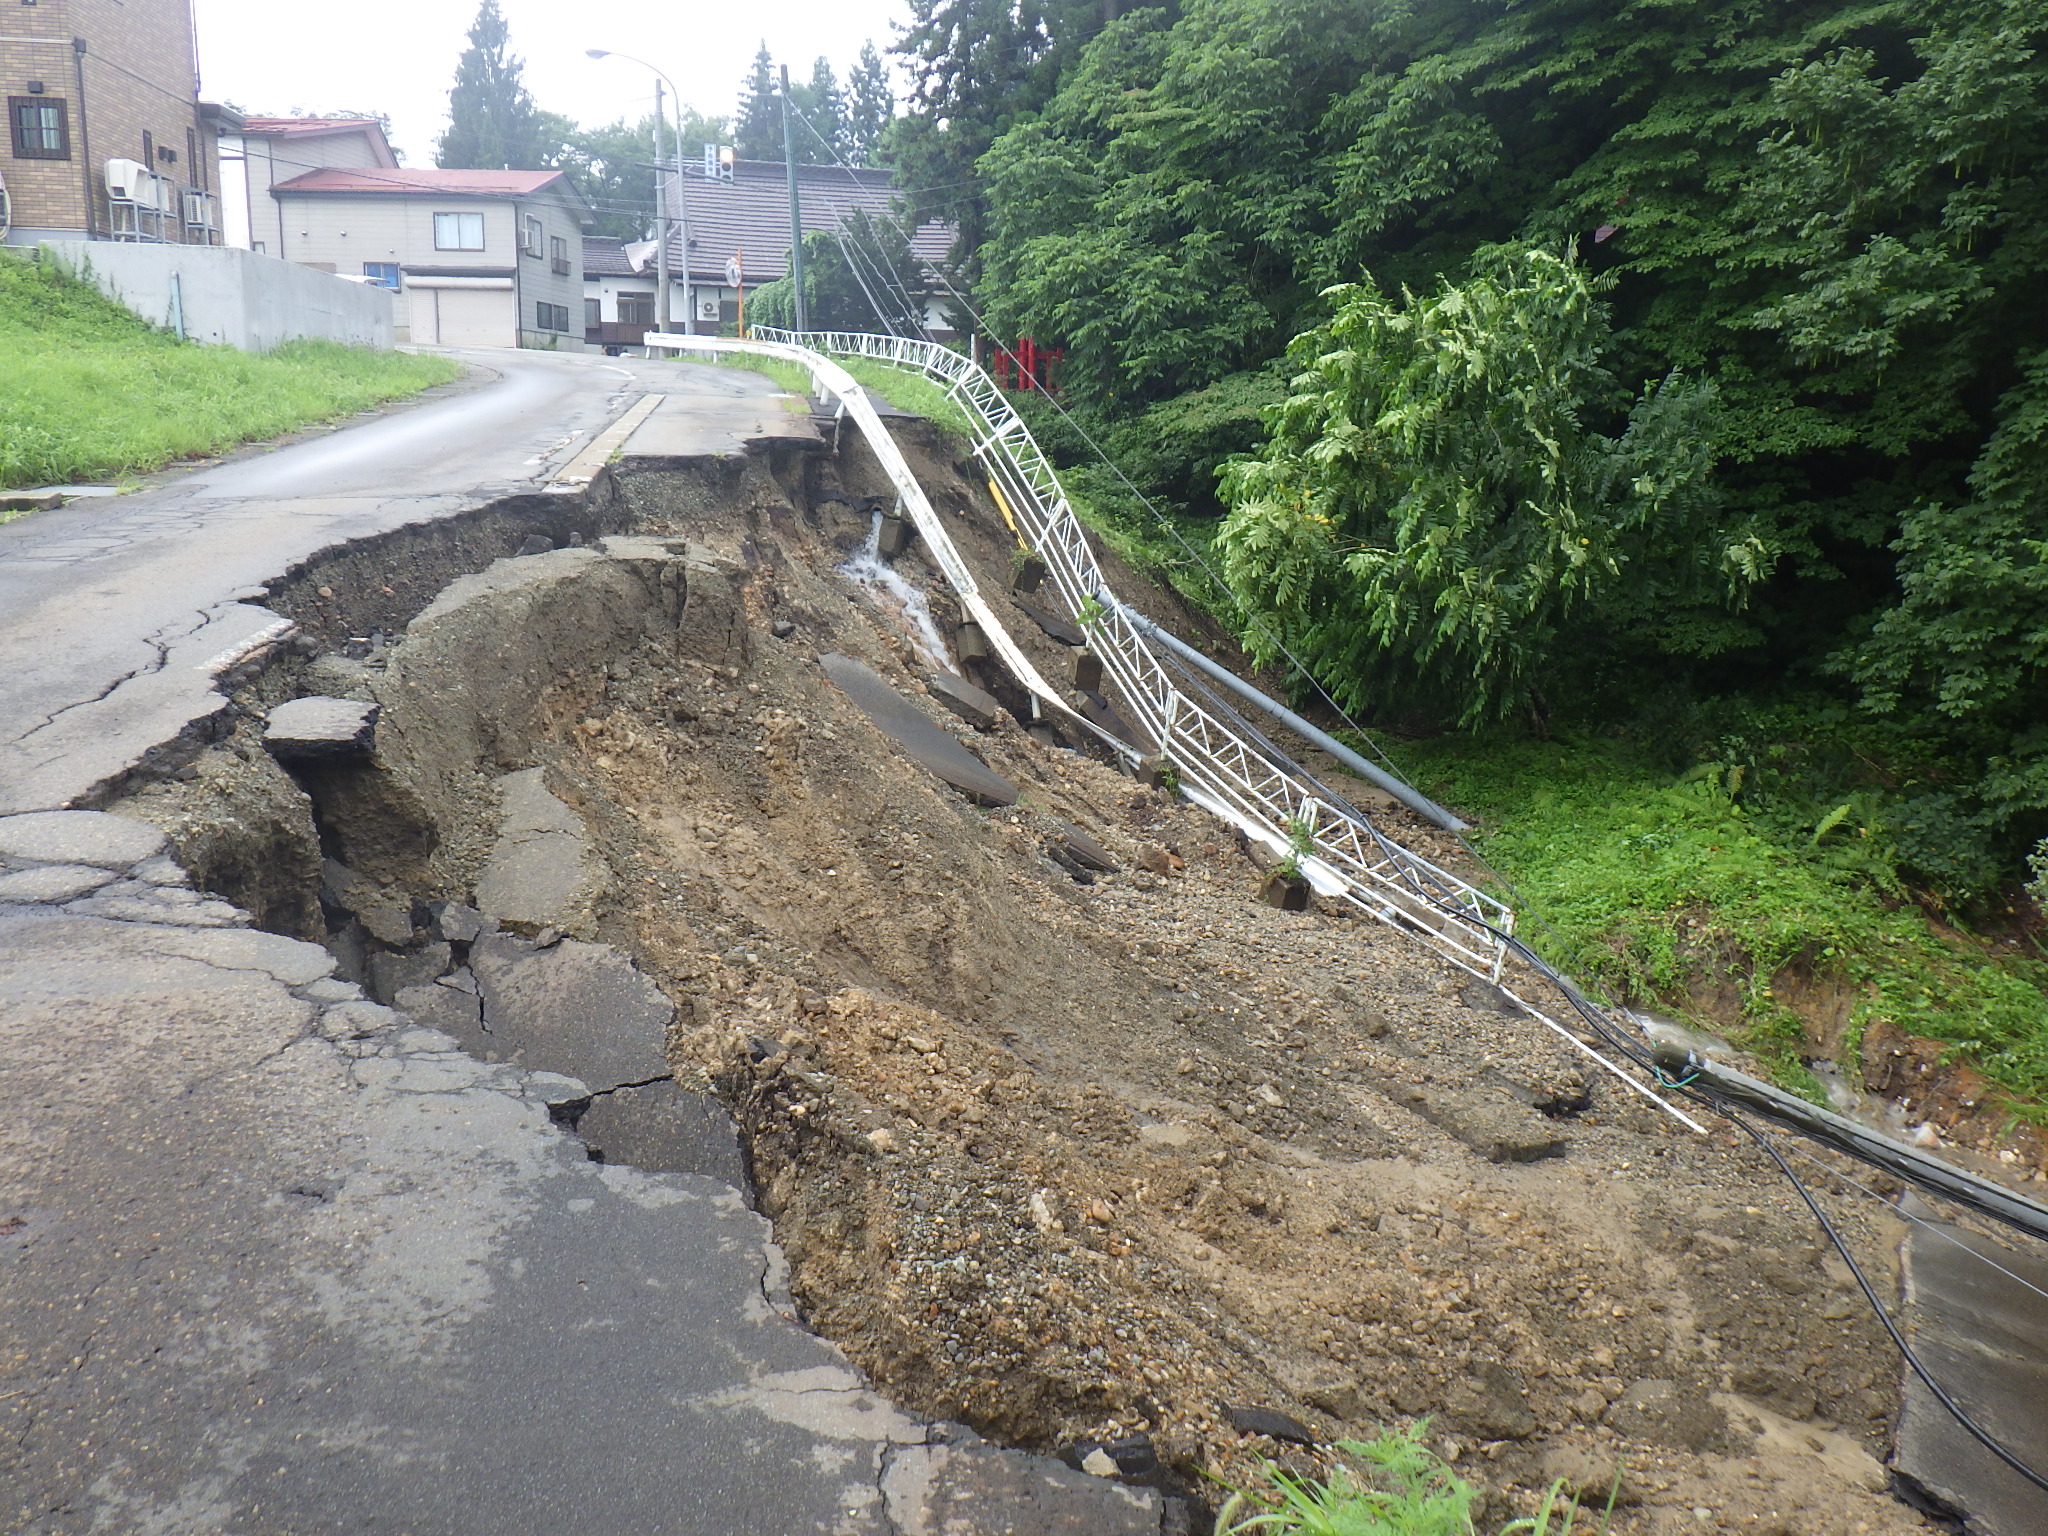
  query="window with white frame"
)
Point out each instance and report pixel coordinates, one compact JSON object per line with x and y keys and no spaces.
{"x":381,"y":274}
{"x":458,"y":231}
{"x":529,"y":235}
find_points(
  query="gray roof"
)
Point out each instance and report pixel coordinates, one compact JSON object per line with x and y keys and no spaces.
{"x":604,"y":256}
{"x":750,"y":214}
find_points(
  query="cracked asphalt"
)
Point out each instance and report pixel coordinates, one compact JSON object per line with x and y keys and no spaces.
{"x":116,"y":613}
{"x":278,"y":1261}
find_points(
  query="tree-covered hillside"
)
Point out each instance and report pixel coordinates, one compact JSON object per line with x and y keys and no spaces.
{"x":1815,"y":230}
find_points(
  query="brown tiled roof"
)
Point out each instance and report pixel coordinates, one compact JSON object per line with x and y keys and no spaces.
{"x":750,"y":214}
{"x":604,"y":256}
{"x":405,"y":180}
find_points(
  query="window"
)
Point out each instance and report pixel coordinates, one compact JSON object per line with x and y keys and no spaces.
{"x":593,"y":313}
{"x":458,"y":231}
{"x":558,"y":254}
{"x":551,"y":317}
{"x":636,"y":309}
{"x":382,"y":274}
{"x":529,"y":236}
{"x":41,"y":128}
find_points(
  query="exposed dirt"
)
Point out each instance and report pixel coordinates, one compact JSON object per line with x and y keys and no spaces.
{"x":1076,"y":1162}
{"x":1084,"y":1159}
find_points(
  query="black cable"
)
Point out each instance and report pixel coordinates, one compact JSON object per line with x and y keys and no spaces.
{"x":1906,"y":1351}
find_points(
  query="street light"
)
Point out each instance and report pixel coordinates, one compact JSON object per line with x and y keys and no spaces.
{"x":661,"y":219}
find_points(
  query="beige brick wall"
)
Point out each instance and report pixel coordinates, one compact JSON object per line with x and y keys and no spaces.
{"x":137,"y":76}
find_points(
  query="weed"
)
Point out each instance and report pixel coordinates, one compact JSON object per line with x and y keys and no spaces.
{"x":91,"y":391}
{"x":1395,"y":1486}
{"x":1662,"y":885}
{"x":1091,"y":612}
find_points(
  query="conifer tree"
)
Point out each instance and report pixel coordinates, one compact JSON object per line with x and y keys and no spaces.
{"x":492,"y":122}
{"x":757,"y":128}
{"x":823,"y":105}
{"x":870,"y":107}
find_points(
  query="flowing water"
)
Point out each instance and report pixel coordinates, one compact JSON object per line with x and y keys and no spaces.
{"x":901,"y":599}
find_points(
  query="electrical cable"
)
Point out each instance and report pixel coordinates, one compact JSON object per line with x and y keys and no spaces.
{"x":1906,"y":1351}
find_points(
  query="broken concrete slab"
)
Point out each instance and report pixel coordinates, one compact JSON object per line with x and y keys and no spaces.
{"x":390,"y":974}
{"x":664,"y":1128}
{"x":317,"y":727}
{"x":52,"y":882}
{"x":921,"y":740}
{"x":583,"y":1010}
{"x":1979,"y":1330}
{"x":79,"y":837}
{"x":978,"y":708}
{"x":541,"y":874}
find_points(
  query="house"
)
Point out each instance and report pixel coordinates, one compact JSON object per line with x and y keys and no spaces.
{"x":268,"y":150}
{"x":106,"y":136}
{"x":745,"y":215}
{"x":619,"y":291}
{"x":476,"y":258}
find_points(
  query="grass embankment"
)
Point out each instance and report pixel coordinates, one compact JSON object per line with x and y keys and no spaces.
{"x":1660,"y":886}
{"x":90,"y":392}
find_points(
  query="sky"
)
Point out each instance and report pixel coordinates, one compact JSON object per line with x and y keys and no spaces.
{"x":398,"y":57}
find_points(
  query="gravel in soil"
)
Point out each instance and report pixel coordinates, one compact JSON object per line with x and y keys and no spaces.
{"x":1074,"y":1155}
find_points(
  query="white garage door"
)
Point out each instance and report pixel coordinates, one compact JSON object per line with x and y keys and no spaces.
{"x":464,"y":317}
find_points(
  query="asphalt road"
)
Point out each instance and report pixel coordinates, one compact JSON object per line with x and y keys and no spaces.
{"x":111,"y":609}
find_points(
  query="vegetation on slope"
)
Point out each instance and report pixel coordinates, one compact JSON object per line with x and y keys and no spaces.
{"x":91,"y":391}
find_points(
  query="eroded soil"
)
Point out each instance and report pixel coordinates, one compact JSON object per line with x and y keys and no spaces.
{"x":1082,"y":1161}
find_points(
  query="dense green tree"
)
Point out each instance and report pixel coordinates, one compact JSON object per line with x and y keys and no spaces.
{"x":977,"y":68}
{"x":610,"y":166}
{"x":870,"y":107}
{"x":1437,"y":512}
{"x":757,"y":127}
{"x":822,"y":105}
{"x":493,"y":124}
{"x":1830,"y":210}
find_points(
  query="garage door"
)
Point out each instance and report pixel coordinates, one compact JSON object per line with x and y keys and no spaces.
{"x":464,"y":317}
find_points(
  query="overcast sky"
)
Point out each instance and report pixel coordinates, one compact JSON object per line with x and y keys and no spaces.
{"x":398,"y":56}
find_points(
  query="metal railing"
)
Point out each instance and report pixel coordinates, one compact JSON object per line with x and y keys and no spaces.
{"x":1219,"y":764}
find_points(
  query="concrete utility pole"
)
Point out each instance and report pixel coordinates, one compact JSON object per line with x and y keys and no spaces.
{"x":796,"y":217}
{"x":661,"y":309}
{"x":664,"y":311}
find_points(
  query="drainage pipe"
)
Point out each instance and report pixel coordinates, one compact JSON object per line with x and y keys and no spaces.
{"x":1417,"y":802}
{"x":1688,"y":1069}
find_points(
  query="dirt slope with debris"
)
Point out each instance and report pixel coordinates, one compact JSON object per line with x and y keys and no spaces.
{"x":1089,"y":1161}
{"x":1083,"y":1157}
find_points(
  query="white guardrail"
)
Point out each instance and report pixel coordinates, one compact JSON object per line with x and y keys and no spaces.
{"x":1218,"y":765}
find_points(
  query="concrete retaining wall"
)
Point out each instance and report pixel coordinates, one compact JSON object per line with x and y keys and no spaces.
{"x":229,"y":297}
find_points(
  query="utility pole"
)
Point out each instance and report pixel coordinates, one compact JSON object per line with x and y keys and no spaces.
{"x":796,"y":217}
{"x":661,"y":308}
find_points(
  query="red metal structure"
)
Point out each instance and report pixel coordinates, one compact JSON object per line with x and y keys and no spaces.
{"x":1027,"y":366}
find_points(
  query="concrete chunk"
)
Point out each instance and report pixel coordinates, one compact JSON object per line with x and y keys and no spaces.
{"x":582,"y":1010}
{"x":541,"y":874}
{"x":318,"y":727}
{"x":52,"y":882}
{"x":79,"y":837}
{"x":977,"y":708}
{"x":662,"y":1128}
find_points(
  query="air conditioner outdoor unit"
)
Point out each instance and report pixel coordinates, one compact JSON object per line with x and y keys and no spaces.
{"x":130,"y":181}
{"x":707,"y":309}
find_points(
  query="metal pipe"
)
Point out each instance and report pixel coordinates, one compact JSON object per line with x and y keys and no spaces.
{"x":1416,"y":801}
{"x":1689,"y":1069}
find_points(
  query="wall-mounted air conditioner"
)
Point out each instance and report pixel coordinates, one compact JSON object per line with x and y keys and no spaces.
{"x":707,"y":309}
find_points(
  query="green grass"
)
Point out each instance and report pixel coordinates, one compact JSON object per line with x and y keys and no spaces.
{"x":1654,"y":884}
{"x":1391,"y":1485}
{"x":91,"y":392}
{"x":790,"y":378}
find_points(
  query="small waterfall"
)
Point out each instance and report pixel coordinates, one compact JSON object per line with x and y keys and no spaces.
{"x":903,"y":600}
